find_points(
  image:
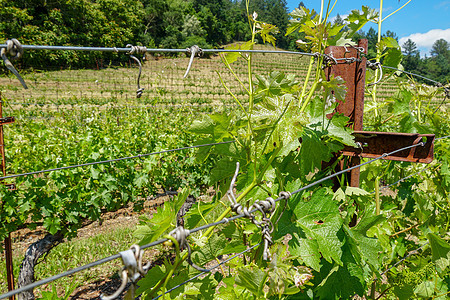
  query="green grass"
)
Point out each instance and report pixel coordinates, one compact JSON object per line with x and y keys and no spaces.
{"x":75,"y":253}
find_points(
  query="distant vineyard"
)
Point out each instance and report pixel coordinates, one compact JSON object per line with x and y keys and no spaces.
{"x":162,"y":79}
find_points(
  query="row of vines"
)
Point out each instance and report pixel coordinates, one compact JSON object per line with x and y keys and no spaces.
{"x":281,"y":136}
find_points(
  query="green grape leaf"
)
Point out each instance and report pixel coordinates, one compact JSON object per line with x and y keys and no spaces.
{"x":164,"y":219}
{"x":400,"y":103}
{"x":267,"y":31}
{"x":404,"y":292}
{"x":252,"y":278}
{"x":314,"y":226}
{"x":278,"y":122}
{"x":387,"y":43}
{"x":52,"y":224}
{"x":440,"y":251}
{"x":231,"y":57}
{"x":312,"y":151}
{"x":320,"y":220}
{"x":299,"y":16}
{"x":154,"y":275}
{"x":337,"y":129}
{"x":358,"y":18}
{"x":203,"y":126}
{"x":344,"y":281}
{"x":368,"y":247}
{"x":334,"y":87}
{"x":392,"y":58}
{"x":223,"y":169}
{"x":210,"y":251}
{"x":230,"y":291}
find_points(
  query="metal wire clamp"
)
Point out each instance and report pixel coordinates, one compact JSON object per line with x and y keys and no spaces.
{"x":180,"y":234}
{"x":132,"y":270}
{"x":193,"y":51}
{"x":13,"y":48}
{"x":374,"y":66}
{"x":265,"y":207}
{"x":137,"y":50}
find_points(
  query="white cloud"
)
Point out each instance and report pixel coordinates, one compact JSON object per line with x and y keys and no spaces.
{"x":425,"y":41}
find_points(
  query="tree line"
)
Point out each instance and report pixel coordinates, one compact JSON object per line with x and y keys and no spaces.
{"x":164,"y":24}
{"x":115,"y":23}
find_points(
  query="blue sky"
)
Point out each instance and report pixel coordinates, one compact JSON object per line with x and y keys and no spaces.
{"x":423,"y":21}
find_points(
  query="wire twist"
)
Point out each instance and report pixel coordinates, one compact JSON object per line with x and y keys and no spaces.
{"x":131,"y":271}
{"x":265,"y":207}
{"x":15,"y":50}
{"x":137,"y":50}
{"x":180,"y":234}
{"x":374,"y":66}
{"x":329,"y":60}
{"x":193,"y":51}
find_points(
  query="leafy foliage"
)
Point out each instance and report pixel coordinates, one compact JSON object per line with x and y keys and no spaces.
{"x":326,"y":244}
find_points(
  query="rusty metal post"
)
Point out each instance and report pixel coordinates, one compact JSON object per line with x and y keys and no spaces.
{"x":8,"y":245}
{"x":354,"y":75}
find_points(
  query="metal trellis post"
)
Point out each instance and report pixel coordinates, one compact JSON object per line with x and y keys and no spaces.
{"x":371,"y":144}
{"x":8,"y":246}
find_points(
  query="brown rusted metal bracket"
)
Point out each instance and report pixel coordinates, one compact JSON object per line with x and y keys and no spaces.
{"x":371,"y":144}
{"x":6,"y":120}
{"x":374,"y":144}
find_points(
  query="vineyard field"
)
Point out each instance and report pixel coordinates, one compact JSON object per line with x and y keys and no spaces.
{"x":71,"y":117}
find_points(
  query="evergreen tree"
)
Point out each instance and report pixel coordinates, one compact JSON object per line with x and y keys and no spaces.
{"x":411,"y":57}
{"x":372,"y":38}
{"x":440,"y":47}
{"x":338,"y":20}
{"x":391,"y":34}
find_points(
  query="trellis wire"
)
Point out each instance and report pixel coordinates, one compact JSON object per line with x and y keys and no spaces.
{"x":404,"y":258}
{"x":206,"y":226}
{"x":404,"y":178}
{"x":154,"y":50}
{"x":412,"y":74}
{"x":113,"y":160}
{"x":208,"y":270}
{"x":70,"y":272}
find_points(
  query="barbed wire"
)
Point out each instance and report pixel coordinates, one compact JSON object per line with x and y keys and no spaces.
{"x":113,"y":160}
{"x":203,"y":227}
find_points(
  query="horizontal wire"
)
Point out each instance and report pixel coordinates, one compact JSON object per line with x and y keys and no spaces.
{"x":208,"y":270}
{"x":355,"y":167}
{"x":151,"y":50}
{"x":112,"y":160}
{"x":206,"y":226}
{"x":412,"y":74}
{"x":411,"y":175}
{"x":404,"y":178}
{"x":404,"y":258}
{"x":442,"y":137}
